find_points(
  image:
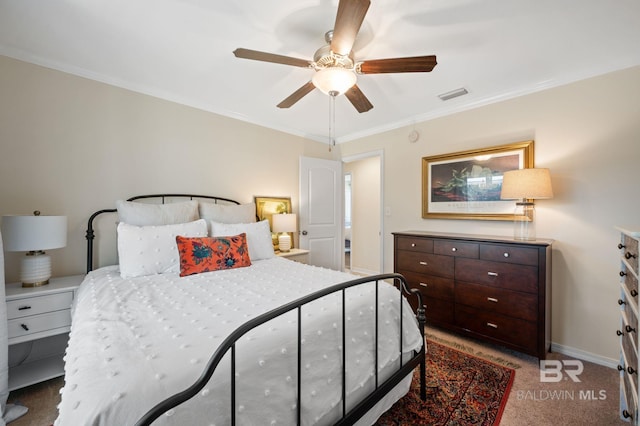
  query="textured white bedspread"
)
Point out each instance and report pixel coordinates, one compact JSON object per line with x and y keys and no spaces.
{"x":135,"y":342}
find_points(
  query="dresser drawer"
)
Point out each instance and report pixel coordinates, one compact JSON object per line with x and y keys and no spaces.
{"x":430,"y":286}
{"x":629,"y":402}
{"x":456,"y":248}
{"x":19,"y":308}
{"x":424,"y":263}
{"x":628,"y":315}
{"x":629,"y":349}
{"x":629,"y":392}
{"x":630,"y":251}
{"x":423,"y":245}
{"x":500,"y":327}
{"x":493,"y":299}
{"x":439,"y":311}
{"x":630,"y":282}
{"x":498,"y":274}
{"x":509,"y":254}
{"x":38,"y":323}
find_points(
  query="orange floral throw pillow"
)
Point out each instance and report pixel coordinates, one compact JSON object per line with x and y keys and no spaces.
{"x":205,"y":254}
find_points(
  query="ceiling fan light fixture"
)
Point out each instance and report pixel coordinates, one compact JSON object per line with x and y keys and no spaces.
{"x":334,"y":79}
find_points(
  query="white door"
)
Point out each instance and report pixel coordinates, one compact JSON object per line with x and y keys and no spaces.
{"x":321,"y":215}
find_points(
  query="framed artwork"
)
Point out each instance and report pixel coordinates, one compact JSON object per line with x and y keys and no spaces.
{"x":267,"y":207}
{"x":467,"y":184}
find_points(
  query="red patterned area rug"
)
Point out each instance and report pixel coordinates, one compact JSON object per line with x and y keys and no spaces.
{"x":462,"y":389}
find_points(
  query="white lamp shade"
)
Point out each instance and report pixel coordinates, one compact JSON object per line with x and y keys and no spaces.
{"x":284,"y":222}
{"x":334,"y":79}
{"x":32,"y":233}
{"x":526,"y":184}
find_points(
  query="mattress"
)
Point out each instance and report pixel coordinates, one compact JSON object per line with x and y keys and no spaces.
{"x":134,"y":342}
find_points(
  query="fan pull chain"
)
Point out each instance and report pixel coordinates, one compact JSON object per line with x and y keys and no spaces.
{"x":332,"y":118}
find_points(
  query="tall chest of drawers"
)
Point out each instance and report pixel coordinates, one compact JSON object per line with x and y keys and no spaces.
{"x":493,"y":288}
{"x":628,"y":330}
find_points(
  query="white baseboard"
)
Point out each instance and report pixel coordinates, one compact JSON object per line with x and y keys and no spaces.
{"x":365,"y":272}
{"x":584,"y":355}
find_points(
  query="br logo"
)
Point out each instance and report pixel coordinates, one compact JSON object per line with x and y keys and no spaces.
{"x":555,"y":370}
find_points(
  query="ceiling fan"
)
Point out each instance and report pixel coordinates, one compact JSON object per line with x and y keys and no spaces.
{"x":335,"y":68}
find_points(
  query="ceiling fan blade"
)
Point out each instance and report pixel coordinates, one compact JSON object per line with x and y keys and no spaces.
{"x":297,"y":95}
{"x":270,"y":57}
{"x":358,"y":99}
{"x":412,"y":64}
{"x":350,"y":16}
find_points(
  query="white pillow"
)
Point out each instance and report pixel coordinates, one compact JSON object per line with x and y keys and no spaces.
{"x":148,"y":250}
{"x":144,"y":214}
{"x":258,"y":236}
{"x":228,"y":213}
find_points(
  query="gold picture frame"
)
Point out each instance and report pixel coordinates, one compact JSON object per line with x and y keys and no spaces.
{"x":267,"y":207}
{"x":467,"y":184}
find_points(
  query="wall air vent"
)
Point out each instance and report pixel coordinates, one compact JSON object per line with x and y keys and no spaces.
{"x":453,"y":94}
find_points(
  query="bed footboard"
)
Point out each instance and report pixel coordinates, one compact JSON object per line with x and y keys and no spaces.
{"x":348,"y":417}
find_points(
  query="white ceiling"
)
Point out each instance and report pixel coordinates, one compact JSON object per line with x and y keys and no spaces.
{"x":181,"y":50}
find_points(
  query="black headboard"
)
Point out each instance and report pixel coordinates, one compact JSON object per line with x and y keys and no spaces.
{"x":90,"y":235}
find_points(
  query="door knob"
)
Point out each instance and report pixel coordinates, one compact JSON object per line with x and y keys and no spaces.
{"x":304,"y":232}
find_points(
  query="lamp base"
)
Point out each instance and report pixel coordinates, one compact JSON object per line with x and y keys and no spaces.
{"x":35,"y":269}
{"x":284,"y":242}
{"x":524,"y":227}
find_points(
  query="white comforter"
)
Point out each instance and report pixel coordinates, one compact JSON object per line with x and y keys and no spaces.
{"x":135,"y":342}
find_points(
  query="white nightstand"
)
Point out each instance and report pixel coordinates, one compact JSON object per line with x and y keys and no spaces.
{"x":296,"y":254}
{"x":35,"y":313}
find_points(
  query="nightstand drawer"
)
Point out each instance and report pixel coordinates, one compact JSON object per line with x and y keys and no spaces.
{"x":39,"y":323}
{"x":38,"y":305}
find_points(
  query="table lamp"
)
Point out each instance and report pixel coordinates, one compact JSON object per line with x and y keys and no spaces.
{"x":284,"y":223}
{"x":34,"y":234}
{"x":525,"y":185}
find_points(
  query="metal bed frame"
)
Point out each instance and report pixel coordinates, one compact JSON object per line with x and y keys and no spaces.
{"x":417,"y":359}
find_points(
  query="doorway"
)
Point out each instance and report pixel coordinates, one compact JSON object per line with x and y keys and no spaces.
{"x":363,"y":198}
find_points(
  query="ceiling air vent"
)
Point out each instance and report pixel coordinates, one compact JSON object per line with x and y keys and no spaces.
{"x":453,"y":94}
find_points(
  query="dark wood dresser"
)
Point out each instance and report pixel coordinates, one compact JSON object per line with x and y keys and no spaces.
{"x":493,"y":288}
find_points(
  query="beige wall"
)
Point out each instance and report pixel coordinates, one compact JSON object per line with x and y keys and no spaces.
{"x":365,"y":215}
{"x":71,"y":146}
{"x":588,"y":134}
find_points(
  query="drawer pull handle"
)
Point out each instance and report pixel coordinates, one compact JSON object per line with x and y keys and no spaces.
{"x":631,"y":370}
{"x":620,"y":368}
{"x":625,"y":414}
{"x":24,"y":308}
{"x":629,"y":329}
{"x":413,"y":244}
{"x":505,"y":254}
{"x":621,"y":246}
{"x":628,"y":255}
{"x":492,"y":325}
{"x":634,"y":292}
{"x":492,"y":299}
{"x":424,"y":285}
{"x":623,"y":273}
{"x":492,"y":274}
{"x":621,"y":302}
{"x":423,"y":263}
{"x":454,"y":249}
{"x":619,"y":333}
{"x":25,"y":327}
